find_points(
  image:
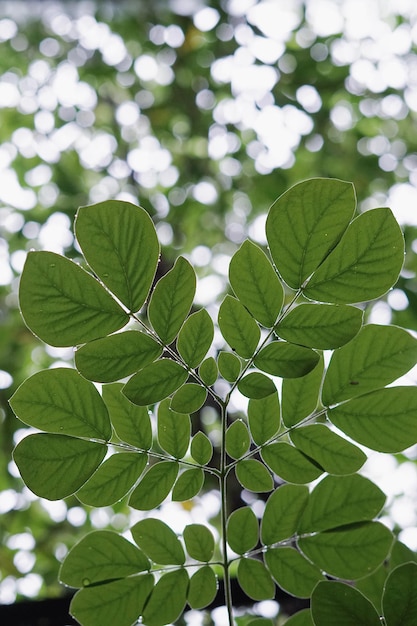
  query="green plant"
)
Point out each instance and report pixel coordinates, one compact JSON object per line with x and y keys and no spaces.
{"x":281,"y":318}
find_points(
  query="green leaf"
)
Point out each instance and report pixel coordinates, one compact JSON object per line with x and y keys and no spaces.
{"x":238,"y":327}
{"x":203,"y":588}
{"x":171,"y":300}
{"x":292,"y":572}
{"x":365,"y":263}
{"x":189,"y":398}
{"x":100,"y":556}
{"x":264,"y":418}
{"x":131,"y":422}
{"x":63,"y":304}
{"x":301,"y":618}
{"x":377,"y":356}
{"x":401,"y":554}
{"x":120,"y":602}
{"x":242,"y":530}
{"x":188,"y":484}
{"x":286,"y":360}
{"x":237,"y":439}
{"x":305,"y":223}
{"x":260,"y":621}
{"x":154,"y":486}
{"x":195,"y":337}
{"x":289,"y":463}
{"x":341,"y":500}
{"x":174,"y":430}
{"x":383,"y":420}
{"x":112,"y":358}
{"x":229,"y":366}
{"x":254,"y":476}
{"x":120,"y":244}
{"x":337,"y":603}
{"x":322,"y":326}
{"x":60,"y":401}
{"x":158,"y":541}
{"x":155,"y":382}
{"x":113,"y":479}
{"x":208,"y":371}
{"x":332,"y":452}
{"x":201,"y":448}
{"x":372,"y":586}
{"x":254,"y":281}
{"x":199,"y":542}
{"x":400,"y":598}
{"x":348,"y":552}
{"x":167,"y":600}
{"x":255,"y":579}
{"x":256,"y":385}
{"x":282,"y":513}
{"x":55,"y":466}
{"x":300,"y":396}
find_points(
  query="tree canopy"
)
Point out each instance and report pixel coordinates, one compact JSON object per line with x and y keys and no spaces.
{"x":203,"y":113}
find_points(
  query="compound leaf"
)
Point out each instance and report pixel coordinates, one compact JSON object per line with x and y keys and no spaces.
{"x":55,"y":466}
{"x":120,"y":244}
{"x":63,"y":304}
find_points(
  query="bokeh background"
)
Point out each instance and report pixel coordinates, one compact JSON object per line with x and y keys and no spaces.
{"x":203,"y":112}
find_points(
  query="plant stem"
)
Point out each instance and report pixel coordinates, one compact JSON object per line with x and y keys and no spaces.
{"x":223,"y":495}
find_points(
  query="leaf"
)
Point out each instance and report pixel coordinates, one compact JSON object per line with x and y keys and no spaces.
{"x":383,"y":420}
{"x":237,"y":439}
{"x":60,"y":401}
{"x":399,"y":600}
{"x":100,"y":556}
{"x":348,"y":552}
{"x":286,"y":360}
{"x":377,"y":356}
{"x":189,"y":398}
{"x":242,"y":530}
{"x":305,"y":223}
{"x":254,"y":476}
{"x":322,"y":326}
{"x":238,"y":327}
{"x":256,"y":385}
{"x":112,"y":358}
{"x":113,"y":479}
{"x":201,"y":448}
{"x":203,"y":588}
{"x":282,"y":513}
{"x":254,"y":281}
{"x":372,"y":586}
{"x":301,"y":618}
{"x":188,"y":484}
{"x":264,"y":418}
{"x":292,"y":572}
{"x":401,"y":554}
{"x":229,"y":366}
{"x":365,"y":263}
{"x":332,"y":452}
{"x":155,"y":382}
{"x":174,"y":430}
{"x":195,"y":338}
{"x":154,"y":486}
{"x":341,"y":500}
{"x":300,"y":396}
{"x":131,"y":422}
{"x":64,"y":305}
{"x":199,"y":542}
{"x":120,"y":244}
{"x":158,"y":541}
{"x":120,"y":602}
{"x":255,"y":579}
{"x":337,"y":603}
{"x":55,"y":466}
{"x":289,"y":463}
{"x":171,"y":300}
{"x":167,"y":600}
{"x":208,"y":371}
